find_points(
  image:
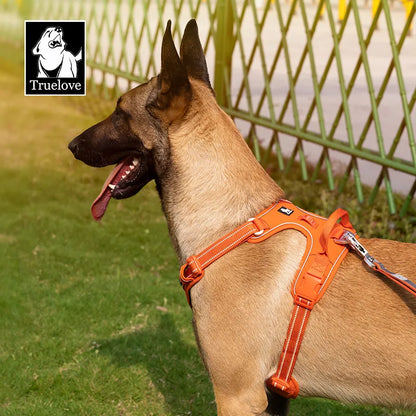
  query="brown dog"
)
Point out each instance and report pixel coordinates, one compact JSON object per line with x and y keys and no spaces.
{"x":360,"y":342}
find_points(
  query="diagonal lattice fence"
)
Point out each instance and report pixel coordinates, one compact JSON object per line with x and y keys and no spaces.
{"x":339,"y":94}
{"x":329,"y":85}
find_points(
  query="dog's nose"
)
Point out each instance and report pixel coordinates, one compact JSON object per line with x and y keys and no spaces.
{"x":58,"y":29}
{"x":73,"y":146}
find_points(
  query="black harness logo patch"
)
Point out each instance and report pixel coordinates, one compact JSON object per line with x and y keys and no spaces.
{"x":286,"y":211}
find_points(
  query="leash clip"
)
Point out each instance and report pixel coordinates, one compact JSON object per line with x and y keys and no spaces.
{"x":348,"y":238}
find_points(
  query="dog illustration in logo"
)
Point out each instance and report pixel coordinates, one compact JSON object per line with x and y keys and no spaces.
{"x":54,"y":61}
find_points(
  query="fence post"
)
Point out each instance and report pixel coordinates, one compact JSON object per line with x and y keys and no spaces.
{"x":224,"y":44}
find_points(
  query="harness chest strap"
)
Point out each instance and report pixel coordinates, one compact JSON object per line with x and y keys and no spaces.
{"x":319,"y":263}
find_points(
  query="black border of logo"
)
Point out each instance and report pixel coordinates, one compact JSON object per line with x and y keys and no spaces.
{"x":74,"y":44}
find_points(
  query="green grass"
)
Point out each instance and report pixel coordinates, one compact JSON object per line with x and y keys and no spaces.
{"x":93,"y":320}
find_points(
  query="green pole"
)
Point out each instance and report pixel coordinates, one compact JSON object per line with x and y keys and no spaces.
{"x":223,"y":51}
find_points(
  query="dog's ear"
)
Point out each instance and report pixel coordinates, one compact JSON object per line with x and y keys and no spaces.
{"x":36,"y":50}
{"x":173,"y":88}
{"x":192,"y":54}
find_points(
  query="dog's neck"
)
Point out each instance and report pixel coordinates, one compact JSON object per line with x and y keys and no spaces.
{"x":213,"y":182}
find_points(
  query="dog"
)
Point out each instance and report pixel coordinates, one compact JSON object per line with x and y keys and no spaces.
{"x":359,"y":346}
{"x":54,"y":61}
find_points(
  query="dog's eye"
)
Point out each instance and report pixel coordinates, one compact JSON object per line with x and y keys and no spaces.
{"x":119,"y":118}
{"x":121,"y":114}
{"x":118,"y":113}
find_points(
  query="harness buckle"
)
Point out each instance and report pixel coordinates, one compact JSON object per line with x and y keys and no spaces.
{"x":191,"y":270}
{"x":304,"y":302}
{"x":288,"y":389}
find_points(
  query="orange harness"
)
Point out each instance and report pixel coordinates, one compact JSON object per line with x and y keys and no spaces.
{"x":327,"y":244}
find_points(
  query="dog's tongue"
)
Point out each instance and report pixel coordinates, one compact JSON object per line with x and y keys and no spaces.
{"x":99,"y":206}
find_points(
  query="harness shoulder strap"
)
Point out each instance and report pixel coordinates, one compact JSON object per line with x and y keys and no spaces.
{"x":193,"y":270}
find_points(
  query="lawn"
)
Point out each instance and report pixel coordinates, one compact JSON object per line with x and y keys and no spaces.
{"x":93,"y":320}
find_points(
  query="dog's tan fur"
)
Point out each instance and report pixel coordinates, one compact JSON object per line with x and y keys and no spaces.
{"x":360,"y":342}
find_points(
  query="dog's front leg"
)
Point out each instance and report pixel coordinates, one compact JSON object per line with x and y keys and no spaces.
{"x":236,"y":365}
{"x":278,"y":405}
{"x":239,"y":385}
{"x":238,"y":400}
{"x":250,"y":401}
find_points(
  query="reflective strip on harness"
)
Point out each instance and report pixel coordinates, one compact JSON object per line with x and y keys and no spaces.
{"x":193,"y":270}
{"x":281,"y":381}
{"x":319,"y":263}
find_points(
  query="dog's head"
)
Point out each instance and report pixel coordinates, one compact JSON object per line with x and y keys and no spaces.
{"x":135,"y":135}
{"x":51,"y":44}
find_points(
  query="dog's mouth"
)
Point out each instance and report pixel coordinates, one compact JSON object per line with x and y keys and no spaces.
{"x":56,"y":42}
{"x":125,"y":180}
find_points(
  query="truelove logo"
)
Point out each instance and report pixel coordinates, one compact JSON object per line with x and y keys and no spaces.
{"x":55,"y":57}
{"x":286,"y":211}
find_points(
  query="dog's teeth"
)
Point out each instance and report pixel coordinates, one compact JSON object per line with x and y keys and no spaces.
{"x":123,"y":176}
{"x":135,"y":162}
{"x":111,"y":186}
{"x":131,"y":167}
{"x":127,"y":172}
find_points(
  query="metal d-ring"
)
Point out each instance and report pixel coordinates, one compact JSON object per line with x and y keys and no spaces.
{"x":257,"y":233}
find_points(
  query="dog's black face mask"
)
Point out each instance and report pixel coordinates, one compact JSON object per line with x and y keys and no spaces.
{"x":135,"y":136}
{"x":116,"y":140}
